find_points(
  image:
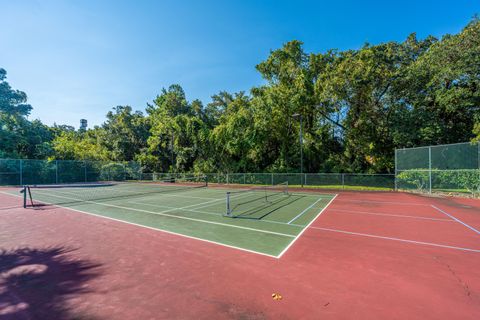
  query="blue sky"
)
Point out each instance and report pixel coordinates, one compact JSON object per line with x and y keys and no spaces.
{"x":78,"y":59}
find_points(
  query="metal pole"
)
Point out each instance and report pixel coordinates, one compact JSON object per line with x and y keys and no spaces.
{"x":21,"y":172}
{"x":301,"y":149}
{"x":24,"y":196}
{"x":430,"y":169}
{"x":171,"y":152}
{"x":395,"y":178}
{"x":228,"y":203}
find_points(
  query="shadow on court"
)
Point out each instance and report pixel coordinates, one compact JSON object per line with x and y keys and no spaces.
{"x":37,"y":283}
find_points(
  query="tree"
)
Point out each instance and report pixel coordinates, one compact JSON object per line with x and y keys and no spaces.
{"x":18,"y":136}
{"x":124,"y":133}
{"x":72,"y":145}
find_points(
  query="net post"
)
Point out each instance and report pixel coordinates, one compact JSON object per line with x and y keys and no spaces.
{"x":30,"y":196}
{"x":205,"y":177}
{"x":24,"y":190}
{"x":228,"y":214}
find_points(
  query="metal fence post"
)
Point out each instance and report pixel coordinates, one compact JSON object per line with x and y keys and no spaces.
{"x":430,"y":169}
{"x":244,"y":178}
{"x":228,"y":178}
{"x":478,"y":144}
{"x":343,"y":180}
{"x":305,"y":179}
{"x":272,"y":178}
{"x":395,"y":177}
{"x":21,"y":172}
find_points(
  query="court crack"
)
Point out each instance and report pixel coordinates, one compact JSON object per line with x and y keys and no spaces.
{"x":454,"y":274}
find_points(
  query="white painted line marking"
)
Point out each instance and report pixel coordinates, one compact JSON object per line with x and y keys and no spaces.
{"x":306,"y":227}
{"x":11,"y":207}
{"x":458,"y":220}
{"x":301,"y":213}
{"x":170,"y":207}
{"x":386,"y":202}
{"x":163,"y":213}
{"x":397,"y":239}
{"x":390,"y":215}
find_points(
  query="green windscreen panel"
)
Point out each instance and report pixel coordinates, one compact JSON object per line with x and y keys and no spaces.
{"x":452,"y":168}
{"x":455,"y":156}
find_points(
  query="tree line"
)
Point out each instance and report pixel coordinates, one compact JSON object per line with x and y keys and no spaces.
{"x":356,"y":106}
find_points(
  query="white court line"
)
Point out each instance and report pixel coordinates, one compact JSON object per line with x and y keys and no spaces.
{"x":181,"y":196}
{"x":391,"y":215}
{"x":306,"y":227}
{"x":386,"y":202}
{"x":301,"y":213}
{"x":397,"y":239}
{"x":11,"y":207}
{"x":170,"y":207}
{"x":163,"y":213}
{"x":458,"y":220}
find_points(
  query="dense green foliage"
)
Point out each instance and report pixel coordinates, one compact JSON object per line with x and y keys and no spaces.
{"x":357,"y":106}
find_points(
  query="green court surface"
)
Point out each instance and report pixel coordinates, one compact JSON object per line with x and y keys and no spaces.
{"x":265,"y":224}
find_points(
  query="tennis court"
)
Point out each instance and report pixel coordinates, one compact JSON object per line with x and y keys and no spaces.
{"x":180,"y":249}
{"x":262,"y":219}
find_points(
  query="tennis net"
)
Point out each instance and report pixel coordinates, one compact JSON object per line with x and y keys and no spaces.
{"x":255,"y":203}
{"x":64,"y":194}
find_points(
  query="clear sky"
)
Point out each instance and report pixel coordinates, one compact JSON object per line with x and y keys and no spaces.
{"x":78,"y":59}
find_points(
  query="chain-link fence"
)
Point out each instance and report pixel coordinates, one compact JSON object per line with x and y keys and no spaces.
{"x":354,"y":181}
{"x":35,"y":172}
{"x":444,"y":168}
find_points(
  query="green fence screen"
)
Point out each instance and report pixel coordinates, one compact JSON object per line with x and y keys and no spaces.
{"x":443,"y":168}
